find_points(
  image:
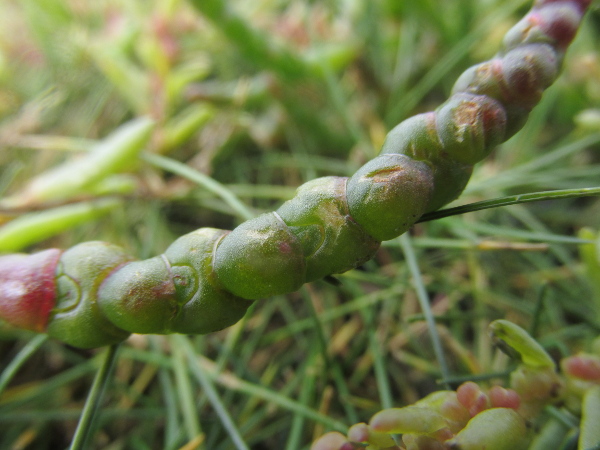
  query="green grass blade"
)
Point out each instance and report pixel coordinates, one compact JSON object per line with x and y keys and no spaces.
{"x":205,"y":181}
{"x":86,"y":424}
{"x":254,"y":45}
{"x":185,"y":391}
{"x":34,"y":227}
{"x":21,"y":358}
{"x":211,"y":393}
{"x":411,"y":260}
{"x":511,"y":200}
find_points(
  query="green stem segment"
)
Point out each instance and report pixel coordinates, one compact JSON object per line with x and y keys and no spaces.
{"x":94,"y":294}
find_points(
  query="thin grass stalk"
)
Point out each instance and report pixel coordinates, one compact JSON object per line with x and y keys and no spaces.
{"x":460,"y":379}
{"x":203,"y":180}
{"x":185,"y":390}
{"x":210,"y":392}
{"x":86,"y":424}
{"x":562,"y":151}
{"x":341,"y":384}
{"x":254,"y":45}
{"x":307,"y":390}
{"x":511,"y":200}
{"x":415,"y":272}
{"x":479,"y":281}
{"x":379,"y":363}
{"x":548,"y":238}
{"x":169,"y":395}
{"x":50,"y":417}
{"x":536,"y":319}
{"x":446,"y":63}
{"x":381,"y":374}
{"x":21,"y":358}
{"x":529,"y":219}
{"x":552,"y":432}
{"x":331,"y":363}
{"x":563,"y":416}
{"x":570,"y":441}
{"x":319,"y":328}
{"x":358,"y":304}
{"x":237,"y":384}
{"x":64,"y":378}
{"x":525,"y":171}
{"x":233,"y":338}
{"x":341,"y":104}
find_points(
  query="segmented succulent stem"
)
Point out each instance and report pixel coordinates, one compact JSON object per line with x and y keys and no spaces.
{"x":94,"y":294}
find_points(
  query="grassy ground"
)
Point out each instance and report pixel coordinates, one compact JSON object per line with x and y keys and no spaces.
{"x":261,"y":101}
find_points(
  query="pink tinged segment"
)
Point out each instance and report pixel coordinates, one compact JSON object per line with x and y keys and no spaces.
{"x":584,"y":367}
{"x":581,"y":4}
{"x":27,"y":288}
{"x":559,"y":20}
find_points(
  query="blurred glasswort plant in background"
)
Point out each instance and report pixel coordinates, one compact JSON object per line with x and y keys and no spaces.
{"x":163,"y":117}
{"x":496,"y":418}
